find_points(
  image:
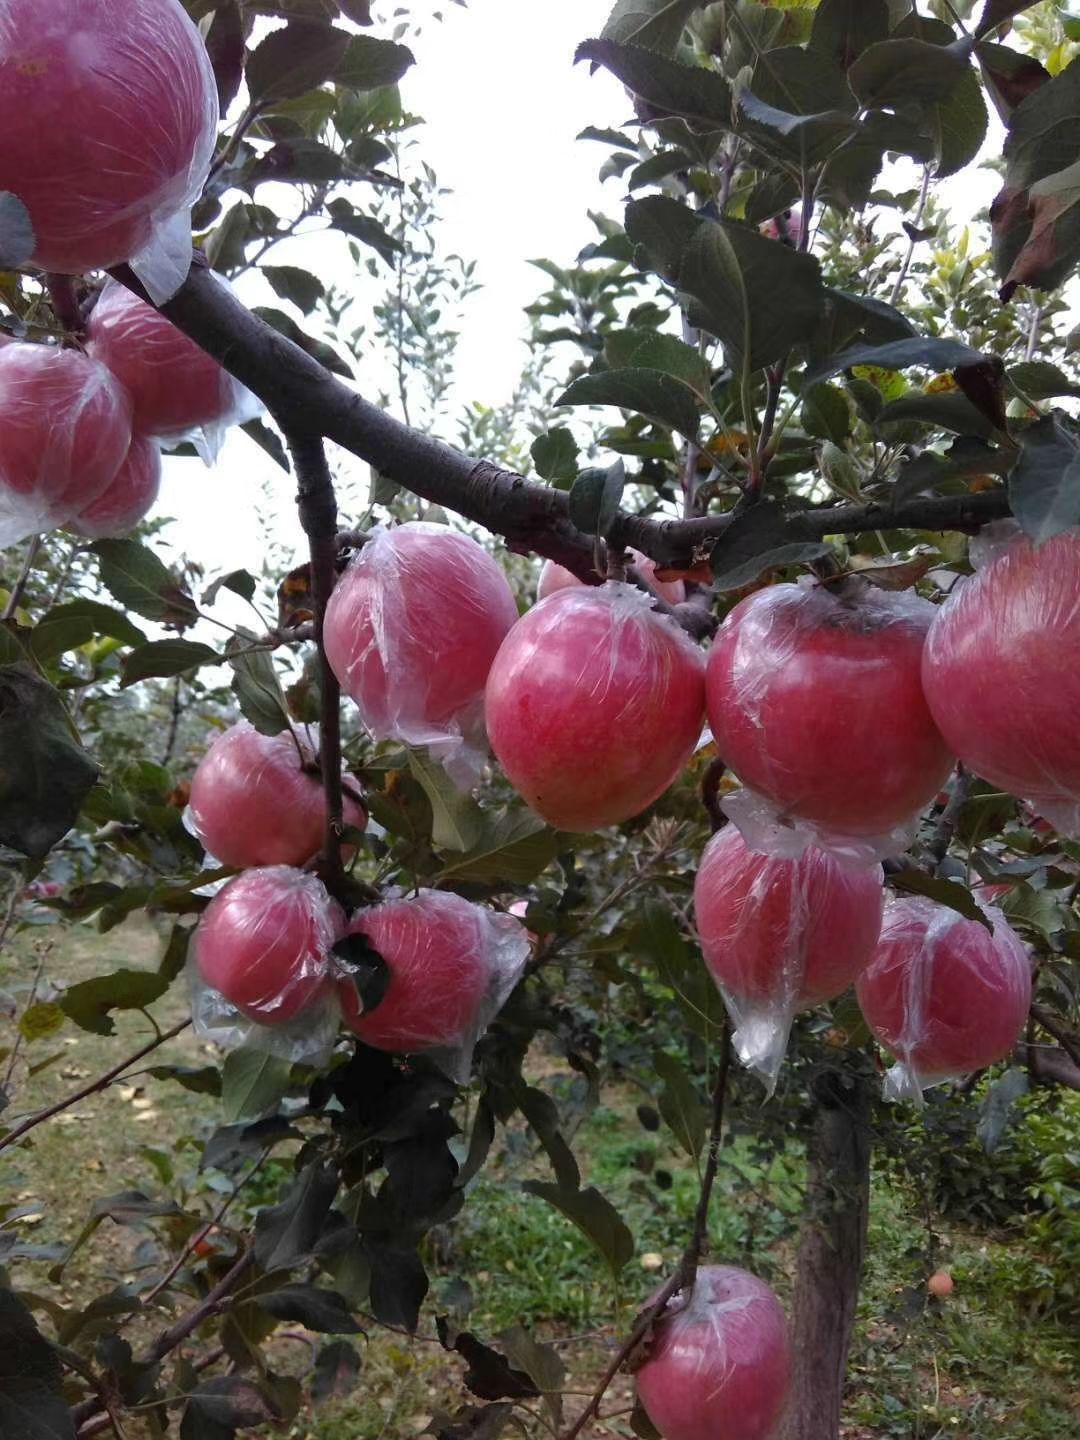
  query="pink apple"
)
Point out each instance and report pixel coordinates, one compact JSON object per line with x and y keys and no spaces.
{"x":784,"y":227}
{"x":942,"y":993}
{"x":265,"y":942}
{"x":594,"y":705}
{"x":791,"y":932}
{"x":438,"y":950}
{"x":109,"y":117}
{"x":815,"y":701}
{"x":411,"y":631}
{"x":254,"y":803}
{"x":1001,"y":677}
{"x":556,"y":577}
{"x":65,"y":430}
{"x":130,"y":495}
{"x":175,"y":387}
{"x":719,"y":1367}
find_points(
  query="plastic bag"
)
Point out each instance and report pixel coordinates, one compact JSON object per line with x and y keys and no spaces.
{"x":556,"y":577}
{"x":253,"y":802}
{"x":594,"y":705}
{"x":943,"y":994}
{"x":130,"y":495}
{"x":719,"y":1361}
{"x":262,"y":969}
{"x":451,"y":966}
{"x":178,"y":391}
{"x":815,"y":702}
{"x":411,"y":630}
{"x":1000,"y":670}
{"x":65,"y":431}
{"x":780,"y":936}
{"x":109,"y":114}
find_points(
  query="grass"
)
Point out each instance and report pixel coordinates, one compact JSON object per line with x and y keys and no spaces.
{"x":986,"y":1361}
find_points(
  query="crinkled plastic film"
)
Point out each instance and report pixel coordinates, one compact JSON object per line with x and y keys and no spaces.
{"x":556,"y":577}
{"x":834,"y":747}
{"x":781,"y":935}
{"x":411,"y":631}
{"x":943,"y":995}
{"x":452,"y":967}
{"x":1000,"y":670}
{"x":718,"y":1363}
{"x":261,"y":965}
{"x":178,"y":391}
{"x":109,"y":112}
{"x":67,"y":431}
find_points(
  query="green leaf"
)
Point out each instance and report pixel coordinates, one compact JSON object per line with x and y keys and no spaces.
{"x":39,"y":1021}
{"x":290,"y":1231}
{"x":1042,"y":131}
{"x":595,"y":496}
{"x":162,"y":658}
{"x":290,"y":282}
{"x":662,"y":229}
{"x":761,"y":538}
{"x":943,"y":410}
{"x":945,"y":892}
{"x":458,"y":822}
{"x":542,"y":1363}
{"x":44,"y":773}
{"x":32,"y":1401}
{"x":999,"y":1104}
{"x":135,"y":577}
{"x":66,"y":626}
{"x":843,"y":29}
{"x":267,"y":440}
{"x":514,"y":848}
{"x":316,"y":1309}
{"x":933,"y":352}
{"x":658,"y":939}
{"x":369,"y":64}
{"x":653,"y":24}
{"x":398,"y":1284}
{"x":996,"y":12}
{"x":1040,"y":380}
{"x":595,"y":1217}
{"x":129,"y":1207}
{"x":680,"y":1104}
{"x":958,"y":126}
{"x":1044,"y":486}
{"x":651,"y":393}
{"x":826,"y":413}
{"x":554,"y":455}
{"x":295,"y":59}
{"x":364,"y":228}
{"x":899,"y":72}
{"x":285,"y":325}
{"x":220,"y":1407}
{"x":691,"y":91}
{"x":252,"y":1083}
{"x":90,"y":1002}
{"x":815,"y":136}
{"x":257,"y":687}
{"x":337,"y":1370}
{"x":240,"y":582}
{"x":200,"y":1080}
{"x":655,"y":350}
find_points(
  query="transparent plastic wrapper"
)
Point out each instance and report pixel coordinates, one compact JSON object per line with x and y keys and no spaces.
{"x":556,"y":577}
{"x":129,"y":496}
{"x":411,"y":630}
{"x":262,"y":968}
{"x":178,"y":392}
{"x":718,"y":1363}
{"x":109,"y":114}
{"x":595,"y":703}
{"x":781,"y":935}
{"x":943,"y":994}
{"x":451,"y":966}
{"x":258,"y":799}
{"x":815,"y":701}
{"x":1001,"y":671}
{"x":66,"y":432}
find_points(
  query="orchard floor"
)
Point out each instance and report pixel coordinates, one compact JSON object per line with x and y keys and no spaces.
{"x":976,"y":1365}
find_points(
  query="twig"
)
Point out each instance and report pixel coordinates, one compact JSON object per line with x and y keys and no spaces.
{"x":949,"y":818}
{"x":14,"y":600}
{"x":176,"y":1334}
{"x":1033,"y":330}
{"x":916,"y":224}
{"x":9,"y":912}
{"x":1068,"y":1041}
{"x":174,"y":722}
{"x":710,"y":788}
{"x":101,"y":1083}
{"x":65,"y":304}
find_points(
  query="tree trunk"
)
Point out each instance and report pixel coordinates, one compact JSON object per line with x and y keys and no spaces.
{"x":831,"y":1249}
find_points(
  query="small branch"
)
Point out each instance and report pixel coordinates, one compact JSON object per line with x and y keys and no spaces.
{"x":65,"y":304}
{"x":1069,"y":1042}
{"x":1033,"y":330}
{"x":9,"y":911}
{"x":174,"y":721}
{"x":245,"y":122}
{"x":101,"y":1083}
{"x":19,"y":589}
{"x":710,"y":794}
{"x":950,"y":817}
{"x":916,"y":224}
{"x":176,"y":1334}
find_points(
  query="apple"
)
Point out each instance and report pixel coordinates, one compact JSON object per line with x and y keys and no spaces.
{"x":438,"y":949}
{"x":815,"y":702}
{"x":940,"y":1284}
{"x":784,"y":227}
{"x":411,"y":630}
{"x":109,"y":115}
{"x":253,"y":802}
{"x":594,"y":705}
{"x":789,"y":933}
{"x":175,"y":387}
{"x":720,"y":1366}
{"x":556,"y":577}
{"x":942,"y":993}
{"x":264,"y":942}
{"x":1000,"y":677}
{"x":65,"y":430}
{"x":129,"y":496}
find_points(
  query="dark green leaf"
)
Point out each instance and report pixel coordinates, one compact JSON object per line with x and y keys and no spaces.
{"x":226,"y":49}
{"x":267,"y":440}
{"x":761,"y":538}
{"x":290,"y":282}
{"x":999,"y":1105}
{"x":101,"y":619}
{"x":90,"y":1002}
{"x":691,"y":91}
{"x":129,"y":1207}
{"x":488,"y":1374}
{"x":161,"y":658}
{"x":945,"y":892}
{"x":32,"y":1403}
{"x":813,"y":136}
{"x":943,"y":410}
{"x":662,"y":228}
{"x":595,"y":497}
{"x":996,"y":12}
{"x":290,"y":1231}
{"x":843,"y":29}
{"x":295,"y":59}
{"x":656,"y":350}
{"x":135,"y":576}
{"x":257,"y":687}
{"x":958,"y":126}
{"x":364,"y":228}
{"x":1042,"y":131}
{"x":368,"y":63}
{"x":542,"y":1114}
{"x":897,"y":72}
{"x":680,"y":1104}
{"x":933,"y":352}
{"x":513,"y":849}
{"x":325,"y":354}
{"x":651,"y":393}
{"x":1044,"y":487}
{"x":316,"y":1309}
{"x":555,"y":455}
{"x":654,"y":24}
{"x":398,"y":1285}
{"x":252,"y":1083}
{"x":220,"y":1407}
{"x":240,"y":582}
{"x":826,"y":413}
{"x":543,"y":1365}
{"x":1040,"y":380}
{"x":337,"y":1369}
{"x":44,"y":773}
{"x":458,"y":820}
{"x":595,"y":1217}
{"x":200,"y":1080}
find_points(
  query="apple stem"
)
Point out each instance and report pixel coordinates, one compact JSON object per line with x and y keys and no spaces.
{"x":66,"y":307}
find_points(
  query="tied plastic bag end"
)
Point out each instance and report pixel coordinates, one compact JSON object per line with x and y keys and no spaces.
{"x":902,"y":1083}
{"x":760,"y":1039}
{"x":307,"y":1038}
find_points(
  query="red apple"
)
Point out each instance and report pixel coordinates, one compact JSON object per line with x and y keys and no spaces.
{"x":65,"y":429}
{"x":942,"y":993}
{"x":780,"y":932}
{"x":1001,"y":677}
{"x":940,"y":1284}
{"x":129,"y":497}
{"x":719,"y":1367}
{"x":556,"y":577}
{"x":411,"y":630}
{"x":439,"y":951}
{"x":784,"y":226}
{"x":265,"y":942}
{"x":815,"y":701}
{"x":109,"y":117}
{"x":253,"y":802}
{"x":594,"y":705}
{"x":175,"y":387}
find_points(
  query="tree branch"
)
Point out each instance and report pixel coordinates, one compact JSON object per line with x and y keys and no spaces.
{"x":305,"y":398}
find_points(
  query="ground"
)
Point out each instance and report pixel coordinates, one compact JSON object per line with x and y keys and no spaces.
{"x":982,"y":1362}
